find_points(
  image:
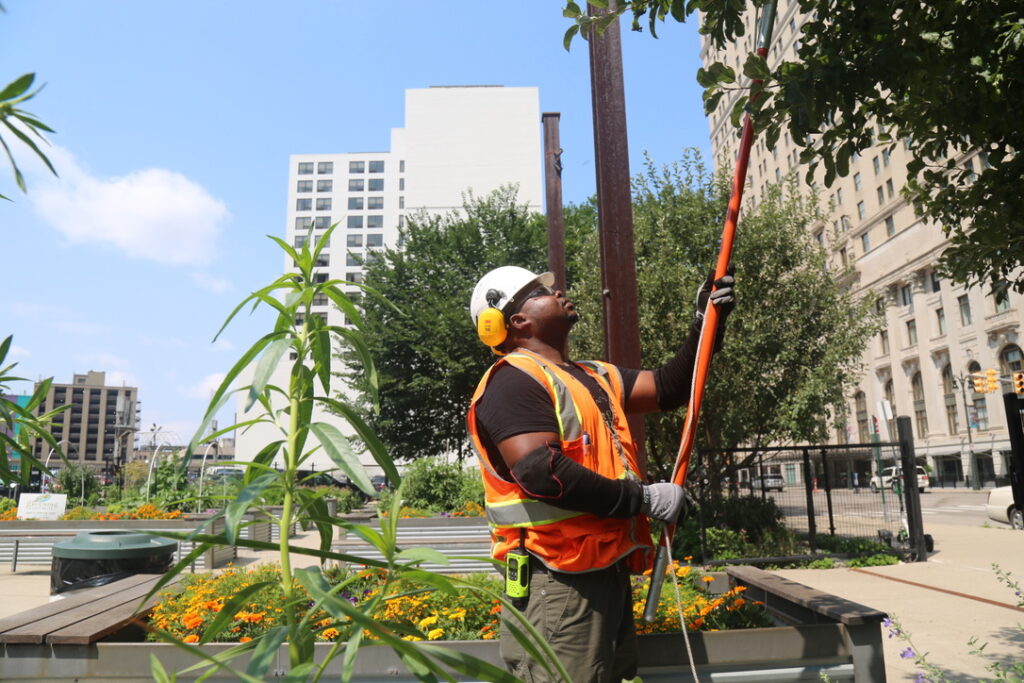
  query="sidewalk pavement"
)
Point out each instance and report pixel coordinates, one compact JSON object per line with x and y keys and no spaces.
{"x":952,"y":601}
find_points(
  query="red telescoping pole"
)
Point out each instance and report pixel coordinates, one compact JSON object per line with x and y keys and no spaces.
{"x":709,"y":329}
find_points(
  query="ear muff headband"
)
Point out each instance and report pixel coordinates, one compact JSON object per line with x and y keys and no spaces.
{"x":490,"y":324}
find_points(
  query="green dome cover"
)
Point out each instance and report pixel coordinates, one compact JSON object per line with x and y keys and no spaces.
{"x":103,"y":545}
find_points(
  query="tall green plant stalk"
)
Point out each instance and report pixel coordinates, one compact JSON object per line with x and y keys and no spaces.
{"x":307,"y":336}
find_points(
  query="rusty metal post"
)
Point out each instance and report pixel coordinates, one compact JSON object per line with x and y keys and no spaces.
{"x":553,"y":187}
{"x":615,"y":208}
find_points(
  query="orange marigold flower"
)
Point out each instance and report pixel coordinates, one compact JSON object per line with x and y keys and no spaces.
{"x":495,"y":609}
{"x":329,"y":634}
{"x":707,"y":579}
{"x":244,"y":639}
{"x":191,"y":620}
{"x":191,"y":638}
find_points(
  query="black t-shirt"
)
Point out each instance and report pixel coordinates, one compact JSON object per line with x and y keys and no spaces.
{"x":515,"y":403}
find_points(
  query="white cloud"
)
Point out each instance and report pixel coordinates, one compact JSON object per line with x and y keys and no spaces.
{"x":223,"y":344}
{"x":211,"y":283}
{"x":80,"y":328}
{"x":205,"y":387}
{"x":152,"y":214}
{"x":18,"y":351}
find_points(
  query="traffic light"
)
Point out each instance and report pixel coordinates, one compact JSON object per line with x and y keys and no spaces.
{"x":1018,"y":382}
{"x":992,"y":380}
{"x":980,"y":386}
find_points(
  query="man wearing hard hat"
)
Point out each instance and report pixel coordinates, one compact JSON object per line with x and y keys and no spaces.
{"x":565,"y":498}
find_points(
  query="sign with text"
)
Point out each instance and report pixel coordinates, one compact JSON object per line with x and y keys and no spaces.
{"x":41,"y":505}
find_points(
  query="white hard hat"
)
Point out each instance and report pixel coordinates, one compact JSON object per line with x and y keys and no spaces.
{"x":506,"y":282}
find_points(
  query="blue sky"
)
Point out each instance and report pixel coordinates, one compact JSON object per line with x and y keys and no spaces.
{"x":174,"y":124}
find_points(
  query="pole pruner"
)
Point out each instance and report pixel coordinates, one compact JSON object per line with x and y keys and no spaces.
{"x":709,"y":328}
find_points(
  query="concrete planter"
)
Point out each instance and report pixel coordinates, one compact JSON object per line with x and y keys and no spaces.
{"x":796,"y":653}
{"x":31,"y":541}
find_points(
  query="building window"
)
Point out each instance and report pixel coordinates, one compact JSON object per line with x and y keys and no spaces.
{"x":374,"y":203}
{"x":304,"y":204}
{"x":842,"y":256}
{"x":375,"y":240}
{"x":375,"y":221}
{"x":319,"y":278}
{"x":778,"y":175}
{"x":965,"y":310}
{"x":325,"y":167}
{"x":940,"y":321}
{"x":857,"y":181}
{"x":306,"y":168}
{"x":949,"y":398}
{"x":861,"y":403}
{"x":936,"y":282}
{"x":355,"y":277}
{"x":323,"y":259}
{"x":356,"y":167}
{"x":865,"y":242}
{"x":376,"y":185}
{"x":354,"y":241}
{"x":401,"y":184}
{"x":889,"y":190}
{"x":355,"y":203}
{"x":819,"y":237}
{"x":861,"y":210}
{"x":401,"y":202}
{"x":1001,"y":299}
{"x":883,"y":337}
{"x":323,"y":204}
{"x":304,"y":186}
{"x":353,"y":259}
{"x":300,"y":240}
{"x":1011,"y":359}
{"x":890,"y":226}
{"x":839,"y":196}
{"x":877,"y":165}
{"x":376,"y":167}
{"x":885,"y":158}
{"x":322,"y":222}
{"x":911,"y":332}
{"x":355,"y":185}
{"x":355,"y":221}
{"x":325,"y":186}
{"x":920,"y":411}
{"x":880,"y":193}
{"x":303,"y":223}
{"x":907,"y":296}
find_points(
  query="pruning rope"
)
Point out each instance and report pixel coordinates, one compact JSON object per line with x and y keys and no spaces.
{"x":705,"y":346}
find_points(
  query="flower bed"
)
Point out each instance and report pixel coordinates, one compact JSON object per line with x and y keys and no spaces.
{"x":426,"y":614}
{"x":9,"y":513}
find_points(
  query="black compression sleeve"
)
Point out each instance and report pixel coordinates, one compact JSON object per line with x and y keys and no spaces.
{"x":673,"y":379}
{"x":546,"y":474}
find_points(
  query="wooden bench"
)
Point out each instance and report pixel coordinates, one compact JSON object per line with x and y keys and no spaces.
{"x":85,"y":617}
{"x":792,"y":602}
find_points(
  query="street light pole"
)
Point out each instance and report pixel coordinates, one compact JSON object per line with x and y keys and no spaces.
{"x":202,"y":471}
{"x":149,"y":477}
{"x":972,"y":465}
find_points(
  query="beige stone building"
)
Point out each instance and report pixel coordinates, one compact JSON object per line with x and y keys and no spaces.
{"x":98,"y":430}
{"x":936,"y":331}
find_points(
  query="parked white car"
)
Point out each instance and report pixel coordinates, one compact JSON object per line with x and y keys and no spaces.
{"x":889,"y":475}
{"x":1000,"y":507}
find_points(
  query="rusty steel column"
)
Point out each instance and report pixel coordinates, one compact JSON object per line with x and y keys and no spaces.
{"x":553,"y":187}
{"x":615,"y":207}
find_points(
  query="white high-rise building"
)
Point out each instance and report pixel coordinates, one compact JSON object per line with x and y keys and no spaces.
{"x":936,"y":331}
{"x":456,"y":141}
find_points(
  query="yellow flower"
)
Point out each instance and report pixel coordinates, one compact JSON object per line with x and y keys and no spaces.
{"x":191,"y":638}
{"x":435,"y":633}
{"x":429,"y":621}
{"x":329,"y":634}
{"x":707,"y":579}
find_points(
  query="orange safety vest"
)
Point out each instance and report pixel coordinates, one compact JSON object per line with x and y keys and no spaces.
{"x":564,"y":540}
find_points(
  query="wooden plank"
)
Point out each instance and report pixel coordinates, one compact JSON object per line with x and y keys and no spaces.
{"x":35,"y":633}
{"x":36,"y":613}
{"x":96,"y":627}
{"x":832,"y":606}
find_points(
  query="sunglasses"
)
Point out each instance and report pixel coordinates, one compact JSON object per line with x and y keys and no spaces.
{"x":517,"y":304}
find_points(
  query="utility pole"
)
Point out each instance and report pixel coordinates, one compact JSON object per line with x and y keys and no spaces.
{"x":553,"y":187}
{"x":615,"y":207}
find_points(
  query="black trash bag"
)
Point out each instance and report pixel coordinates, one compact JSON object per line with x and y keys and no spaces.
{"x":68,"y":574}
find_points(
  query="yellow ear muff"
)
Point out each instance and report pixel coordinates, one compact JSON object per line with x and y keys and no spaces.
{"x":490,"y":327}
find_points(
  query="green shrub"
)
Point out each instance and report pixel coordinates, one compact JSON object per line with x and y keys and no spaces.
{"x":439,"y":486}
{"x":822,"y":563}
{"x":75,"y":479}
{"x":880,"y":560}
{"x":736,"y":527}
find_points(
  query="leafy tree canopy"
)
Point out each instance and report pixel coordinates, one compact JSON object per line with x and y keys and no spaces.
{"x":945,"y":77}
{"x":426,"y":353}
{"x":792,"y":347}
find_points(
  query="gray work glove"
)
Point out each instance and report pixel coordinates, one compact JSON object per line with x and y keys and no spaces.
{"x":664,"y":501}
{"x":724,"y":296}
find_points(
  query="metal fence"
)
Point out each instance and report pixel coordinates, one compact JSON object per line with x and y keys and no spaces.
{"x":829,"y":492}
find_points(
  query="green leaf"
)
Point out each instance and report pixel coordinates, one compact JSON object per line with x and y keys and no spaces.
{"x":711,"y":101}
{"x":265,"y":652}
{"x":738,"y":110}
{"x":424,"y":555}
{"x":756,"y":68}
{"x":227,"y":614}
{"x":340,"y":452}
{"x":265,"y":458}
{"x":377,"y":448}
{"x":17,"y":87}
{"x":157,"y":670}
{"x":240,"y":505}
{"x":265,"y":368}
{"x":468,"y":665}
